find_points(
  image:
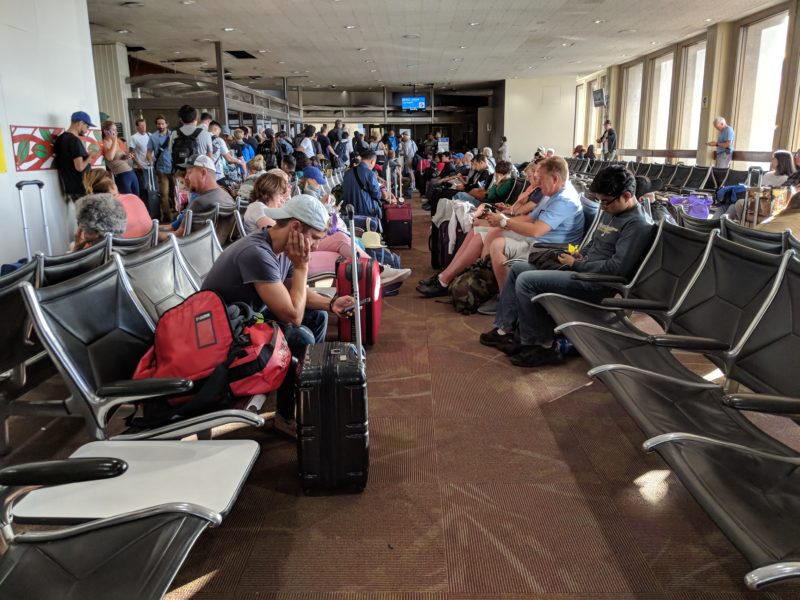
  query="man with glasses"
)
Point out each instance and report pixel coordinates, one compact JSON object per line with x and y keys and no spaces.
{"x":523,"y":329}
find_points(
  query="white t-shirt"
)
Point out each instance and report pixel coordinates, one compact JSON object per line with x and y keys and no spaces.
{"x":220,"y":150}
{"x":140,"y":143}
{"x":255,"y":211}
{"x":771,"y":179}
{"x":308,"y":147}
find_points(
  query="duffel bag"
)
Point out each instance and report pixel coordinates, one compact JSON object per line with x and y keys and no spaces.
{"x":473,"y":287}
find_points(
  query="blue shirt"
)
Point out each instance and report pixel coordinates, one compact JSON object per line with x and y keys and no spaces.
{"x":392,"y":142}
{"x":726,"y":135}
{"x":564,"y":214}
{"x":161,"y":151}
{"x":364,"y":196}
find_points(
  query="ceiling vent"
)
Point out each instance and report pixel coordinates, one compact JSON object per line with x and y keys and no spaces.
{"x":240,"y":54}
{"x":183,"y":59}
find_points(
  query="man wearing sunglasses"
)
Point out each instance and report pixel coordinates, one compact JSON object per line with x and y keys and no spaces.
{"x":523,"y":329}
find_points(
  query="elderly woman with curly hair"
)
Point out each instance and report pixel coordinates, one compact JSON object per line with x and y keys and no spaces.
{"x":97,"y":215}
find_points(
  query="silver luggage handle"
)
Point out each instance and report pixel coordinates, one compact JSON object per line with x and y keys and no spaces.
{"x":354,"y":270}
{"x":25,"y":229}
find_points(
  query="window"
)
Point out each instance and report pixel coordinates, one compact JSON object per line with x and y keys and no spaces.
{"x":595,"y":115}
{"x":632,"y":106}
{"x":580,"y":115}
{"x":660,"y":101}
{"x":762,"y":48}
{"x":694,"y":64}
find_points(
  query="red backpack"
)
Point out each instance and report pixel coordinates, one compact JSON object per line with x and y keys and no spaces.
{"x":225,"y":351}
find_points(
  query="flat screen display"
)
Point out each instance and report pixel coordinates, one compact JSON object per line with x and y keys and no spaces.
{"x":599,"y":97}
{"x":413,"y":102}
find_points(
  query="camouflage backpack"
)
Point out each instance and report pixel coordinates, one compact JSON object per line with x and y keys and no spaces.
{"x":473,"y":287}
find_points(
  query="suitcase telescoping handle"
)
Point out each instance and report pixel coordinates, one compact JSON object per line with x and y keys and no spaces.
{"x":354,"y":270}
{"x":25,"y":229}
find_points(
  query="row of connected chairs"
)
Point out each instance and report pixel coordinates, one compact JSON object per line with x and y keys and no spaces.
{"x":773,"y":242}
{"x":735,"y":305}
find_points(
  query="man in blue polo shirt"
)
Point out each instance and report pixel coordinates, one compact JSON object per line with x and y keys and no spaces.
{"x":724,"y":143}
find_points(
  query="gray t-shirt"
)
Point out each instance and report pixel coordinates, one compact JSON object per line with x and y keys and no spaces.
{"x":206,"y":201}
{"x":248,"y":261}
{"x":203,"y":139}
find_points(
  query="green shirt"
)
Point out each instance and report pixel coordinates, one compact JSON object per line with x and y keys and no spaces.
{"x":499,"y":193}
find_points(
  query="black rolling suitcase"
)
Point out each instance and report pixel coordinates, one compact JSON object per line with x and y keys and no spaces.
{"x":332,"y":415}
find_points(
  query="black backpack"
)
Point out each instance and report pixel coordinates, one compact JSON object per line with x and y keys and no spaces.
{"x":185,"y":146}
{"x":271,"y":157}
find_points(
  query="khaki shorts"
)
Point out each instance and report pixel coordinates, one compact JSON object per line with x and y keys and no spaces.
{"x":517,"y":247}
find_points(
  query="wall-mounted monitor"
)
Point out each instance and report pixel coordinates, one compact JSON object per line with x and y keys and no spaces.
{"x":413,"y":102}
{"x":599,"y":97}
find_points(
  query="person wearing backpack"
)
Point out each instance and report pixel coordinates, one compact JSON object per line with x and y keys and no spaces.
{"x":189,"y":139}
{"x":270,"y":150}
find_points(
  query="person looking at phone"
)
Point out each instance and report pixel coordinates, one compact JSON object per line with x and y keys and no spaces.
{"x":476,"y":187}
{"x":71,"y":157}
{"x":523,"y":329}
{"x":118,"y":160}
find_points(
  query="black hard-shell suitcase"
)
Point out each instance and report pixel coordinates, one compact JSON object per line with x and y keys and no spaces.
{"x":332,"y":421}
{"x":332,"y":414}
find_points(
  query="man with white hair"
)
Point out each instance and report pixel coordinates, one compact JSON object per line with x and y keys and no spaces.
{"x":724,"y":143}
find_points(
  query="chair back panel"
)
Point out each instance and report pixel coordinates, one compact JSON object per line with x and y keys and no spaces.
{"x":159,"y":278}
{"x":14,"y":348}
{"x":199,"y":251}
{"x":737,"y":177}
{"x":668,"y":269}
{"x":774,"y":242}
{"x":56,"y":269}
{"x":698,"y":224}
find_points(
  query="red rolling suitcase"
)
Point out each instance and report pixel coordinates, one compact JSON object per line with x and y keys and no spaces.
{"x":369,"y":283}
{"x":332,"y":413}
{"x":397,"y":224}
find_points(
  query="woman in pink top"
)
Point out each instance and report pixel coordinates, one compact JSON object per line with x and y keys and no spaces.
{"x":99,"y":181}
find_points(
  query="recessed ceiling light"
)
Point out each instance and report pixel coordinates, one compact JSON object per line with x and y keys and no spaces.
{"x":177,"y":52}
{"x":575,"y":62}
{"x":653,"y":43}
{"x":229,"y":29}
{"x":368,"y":60}
{"x":411,"y":66}
{"x":379,"y":80}
{"x":707,"y":20}
{"x":361,"y":49}
{"x":281,"y":62}
{"x":463,"y":47}
{"x":599,"y":66}
{"x":187,"y":2}
{"x":318,"y":85}
{"x":531,"y":67}
{"x":263,"y":51}
{"x":547,"y":57}
{"x":306,"y":71}
{"x":122,"y":31}
{"x":411,"y":36}
{"x":598,"y":21}
{"x":628,"y":31}
{"x":625,"y":55}
{"x":296,"y":72}
{"x":474,"y":24}
{"x":349,"y":26}
{"x":458,"y":60}
{"x":373,"y":70}
{"x":568,"y":44}
{"x":452,"y":69}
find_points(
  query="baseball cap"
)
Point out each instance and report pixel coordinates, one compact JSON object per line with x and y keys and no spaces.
{"x":269,"y":131}
{"x":199,"y":160}
{"x":82,"y":116}
{"x":372,"y":239}
{"x":306,"y":209}
{"x":315,"y":174}
{"x":458,"y":155}
{"x":225,"y":129}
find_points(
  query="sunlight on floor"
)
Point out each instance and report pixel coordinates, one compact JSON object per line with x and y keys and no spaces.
{"x":653,"y":485}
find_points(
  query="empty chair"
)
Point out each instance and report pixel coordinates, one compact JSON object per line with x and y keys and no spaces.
{"x":654,"y":172}
{"x":200,"y":251}
{"x":696,"y":223}
{"x":159,"y":278}
{"x":131,"y":245}
{"x":736,"y":177}
{"x":696,"y":180}
{"x":194,"y":221}
{"x":641,"y":169}
{"x":719,"y":176}
{"x":667,"y":174}
{"x":55,"y":269}
{"x":766,"y":241}
{"x":95,"y":331}
{"x":679,"y":179}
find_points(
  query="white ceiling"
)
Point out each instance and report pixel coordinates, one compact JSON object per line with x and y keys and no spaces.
{"x":511,"y":38}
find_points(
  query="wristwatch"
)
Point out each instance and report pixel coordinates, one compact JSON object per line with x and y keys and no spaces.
{"x":503,"y":221}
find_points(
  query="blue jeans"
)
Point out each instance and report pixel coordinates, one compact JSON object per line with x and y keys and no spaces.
{"x":127,"y":183}
{"x":516,"y":312}
{"x":311,"y":331}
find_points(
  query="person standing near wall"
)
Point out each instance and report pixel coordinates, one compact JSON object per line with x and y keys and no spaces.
{"x":502,"y":151}
{"x":724,"y":143}
{"x":71,"y":157}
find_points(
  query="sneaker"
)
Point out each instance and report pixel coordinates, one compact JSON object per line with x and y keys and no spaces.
{"x":426,"y":206}
{"x":432,"y":290}
{"x":494,"y":339}
{"x":489,"y":307}
{"x":510,"y":346}
{"x":284,"y":427}
{"x":536,"y":356}
{"x":429,"y":280}
{"x":390,"y":275}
